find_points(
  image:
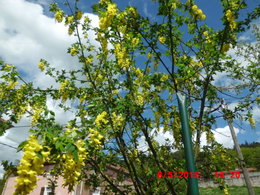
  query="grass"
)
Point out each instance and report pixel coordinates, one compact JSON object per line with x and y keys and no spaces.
{"x":233,"y":190}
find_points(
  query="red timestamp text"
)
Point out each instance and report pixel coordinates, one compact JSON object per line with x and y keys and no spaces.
{"x":178,"y":174}
{"x":196,"y":174}
{"x":231,"y":174}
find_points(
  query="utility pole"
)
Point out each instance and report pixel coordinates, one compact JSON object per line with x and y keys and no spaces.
{"x":238,"y":150}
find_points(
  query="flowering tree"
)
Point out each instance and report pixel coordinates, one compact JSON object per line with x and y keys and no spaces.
{"x":125,"y":90}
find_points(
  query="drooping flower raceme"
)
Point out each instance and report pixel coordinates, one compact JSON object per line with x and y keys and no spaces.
{"x":72,"y":167}
{"x":30,"y":166}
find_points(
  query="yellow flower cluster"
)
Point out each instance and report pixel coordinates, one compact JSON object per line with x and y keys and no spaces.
{"x":194,"y":63}
{"x":70,"y":30}
{"x":73,"y":51}
{"x":251,"y":122}
{"x":69,"y":130}
{"x":105,"y":21}
{"x":78,"y":15}
{"x":63,"y":90}
{"x":64,"y":85}
{"x":162,"y":39}
{"x":121,"y":55}
{"x":103,"y":42}
{"x":41,"y":65}
{"x":135,"y":41}
{"x":198,"y":13}
{"x":149,"y":55}
{"x":8,"y":67}
{"x":230,"y":18}
{"x":192,"y":126}
{"x":174,"y":6}
{"x":210,"y":137}
{"x":36,"y":115}
{"x":69,"y":20}
{"x":140,"y":100}
{"x":225,"y":48}
{"x":95,"y":138}
{"x":164,"y":77}
{"x":12,"y":85}
{"x":139,"y":73}
{"x":72,"y":168}
{"x":206,"y":35}
{"x":117,"y":120}
{"x":89,"y":60}
{"x":101,"y":119}
{"x":59,"y":16}
{"x":225,"y":190}
{"x":133,"y":12}
{"x":29,"y":167}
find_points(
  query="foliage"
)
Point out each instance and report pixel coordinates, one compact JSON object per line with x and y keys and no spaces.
{"x":251,"y":156}
{"x":124,"y":90}
{"x":234,"y":190}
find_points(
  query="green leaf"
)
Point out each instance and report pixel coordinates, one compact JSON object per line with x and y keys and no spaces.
{"x":21,"y":145}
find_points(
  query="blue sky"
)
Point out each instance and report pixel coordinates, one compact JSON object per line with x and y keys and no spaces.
{"x":28,"y":33}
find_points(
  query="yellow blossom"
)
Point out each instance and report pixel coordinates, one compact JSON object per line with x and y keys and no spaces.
{"x":95,"y":138}
{"x":36,"y":115}
{"x":225,"y":48}
{"x":164,"y":77}
{"x":162,"y":39}
{"x":174,"y":6}
{"x":198,"y":13}
{"x":41,"y":65}
{"x":118,"y":120}
{"x":205,"y":33}
{"x":59,"y":16}
{"x":225,"y":191}
{"x":252,"y":122}
{"x":70,"y":31}
{"x":149,"y":55}
{"x":69,"y":20}
{"x":139,"y":73}
{"x":72,"y":168}
{"x":140,"y":100}
{"x":230,"y":17}
{"x":89,"y":60}
{"x":73,"y":51}
{"x":86,"y":19}
{"x":8,"y":67}
{"x":30,"y":166}
{"x":135,"y":41}
{"x":133,"y":12}
{"x":101,"y":119}
{"x":78,"y":15}
{"x":122,"y":57}
{"x":105,"y":21}
{"x":12,"y":85}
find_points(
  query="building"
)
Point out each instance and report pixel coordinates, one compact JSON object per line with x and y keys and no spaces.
{"x":81,"y":189}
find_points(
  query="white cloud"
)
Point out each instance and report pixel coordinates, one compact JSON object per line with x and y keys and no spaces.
{"x":27,"y":35}
{"x":256,"y":114}
{"x":222,"y":136}
{"x":159,"y":137}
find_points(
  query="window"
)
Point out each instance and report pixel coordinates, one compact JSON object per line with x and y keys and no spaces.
{"x":47,"y":190}
{"x":97,"y":191}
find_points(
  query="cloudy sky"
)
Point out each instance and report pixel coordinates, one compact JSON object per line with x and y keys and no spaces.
{"x":28,"y":33}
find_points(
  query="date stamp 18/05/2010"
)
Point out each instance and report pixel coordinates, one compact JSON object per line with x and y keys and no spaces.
{"x":196,"y":174}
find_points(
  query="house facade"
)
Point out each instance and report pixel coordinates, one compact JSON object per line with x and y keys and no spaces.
{"x":80,"y":189}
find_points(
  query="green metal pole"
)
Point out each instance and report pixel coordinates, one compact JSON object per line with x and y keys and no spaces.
{"x":193,"y":188}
